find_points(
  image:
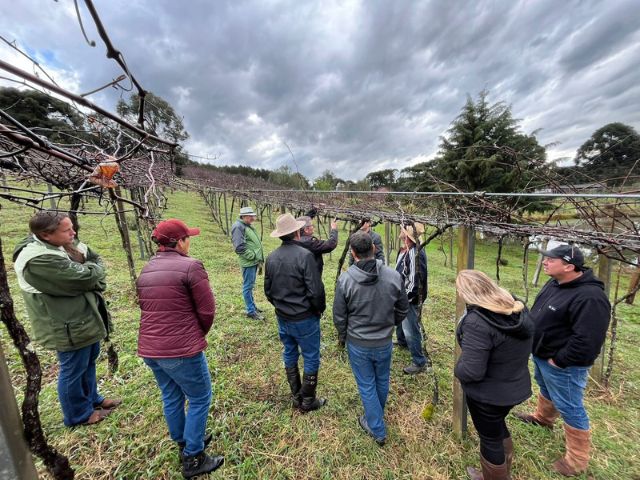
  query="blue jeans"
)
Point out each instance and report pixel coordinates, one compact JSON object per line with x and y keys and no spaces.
{"x":412,"y":335}
{"x":248,"y":282}
{"x":565,"y":388}
{"x":301,"y":338}
{"x":77,"y":387}
{"x":371,"y":368}
{"x":183,"y":379}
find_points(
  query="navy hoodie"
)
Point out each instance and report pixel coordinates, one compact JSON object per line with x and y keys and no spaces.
{"x":571,"y":321}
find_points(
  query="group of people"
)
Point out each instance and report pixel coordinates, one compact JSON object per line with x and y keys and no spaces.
{"x":62,"y":281}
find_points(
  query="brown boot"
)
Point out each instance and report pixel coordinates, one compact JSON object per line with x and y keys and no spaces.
{"x":489,"y":471}
{"x":545,"y":414}
{"x":507,"y":443}
{"x":577,"y":446}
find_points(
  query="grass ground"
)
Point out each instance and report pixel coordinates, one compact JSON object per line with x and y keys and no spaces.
{"x":250,"y":417}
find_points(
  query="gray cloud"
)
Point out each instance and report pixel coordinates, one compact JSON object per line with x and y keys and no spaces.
{"x":351,"y":86}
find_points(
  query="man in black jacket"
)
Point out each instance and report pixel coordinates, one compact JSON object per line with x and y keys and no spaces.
{"x":571,"y":317}
{"x":365,"y":226}
{"x":315,"y":245}
{"x":293,"y":286}
{"x":369,"y":301}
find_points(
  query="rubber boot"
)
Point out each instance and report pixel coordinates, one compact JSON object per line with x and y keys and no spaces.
{"x":545,"y":414}
{"x":578,"y":447}
{"x":200,"y":463}
{"x":293,"y":377}
{"x":308,"y":393}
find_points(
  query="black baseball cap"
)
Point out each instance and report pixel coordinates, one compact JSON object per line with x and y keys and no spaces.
{"x":569,"y":253}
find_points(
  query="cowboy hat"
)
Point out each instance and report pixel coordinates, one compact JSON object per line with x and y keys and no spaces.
{"x":286,"y":224}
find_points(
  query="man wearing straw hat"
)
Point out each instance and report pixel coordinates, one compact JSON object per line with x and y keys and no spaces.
{"x":293,"y":286}
{"x":247,"y":245}
{"x":413,"y":268}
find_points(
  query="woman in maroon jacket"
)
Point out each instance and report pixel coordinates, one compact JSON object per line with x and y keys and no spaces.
{"x":178,"y":308}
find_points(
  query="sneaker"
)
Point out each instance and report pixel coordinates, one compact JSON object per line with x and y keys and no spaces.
{"x":414,"y":369}
{"x":365,"y":426}
{"x":255,"y":315}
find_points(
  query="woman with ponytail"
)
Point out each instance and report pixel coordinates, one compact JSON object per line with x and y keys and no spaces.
{"x":495,"y":336}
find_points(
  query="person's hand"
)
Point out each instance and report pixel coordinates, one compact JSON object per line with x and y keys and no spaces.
{"x":552,"y":363}
{"x":334,"y":224}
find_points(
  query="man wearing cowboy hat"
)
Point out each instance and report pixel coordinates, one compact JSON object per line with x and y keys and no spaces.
{"x":247,"y":245}
{"x":413,"y":268}
{"x":293,"y":286}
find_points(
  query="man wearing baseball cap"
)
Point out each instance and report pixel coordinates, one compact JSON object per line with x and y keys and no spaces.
{"x":247,"y":245}
{"x":293,"y":286}
{"x":178,"y":308}
{"x":571,"y":317}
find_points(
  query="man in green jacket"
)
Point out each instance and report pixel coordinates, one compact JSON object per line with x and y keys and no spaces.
{"x":62,"y":281}
{"x":247,"y":245}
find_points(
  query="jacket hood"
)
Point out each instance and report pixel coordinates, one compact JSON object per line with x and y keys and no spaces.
{"x":21,"y":244}
{"x":587,"y":278}
{"x":365,"y":277}
{"x":517,"y":325}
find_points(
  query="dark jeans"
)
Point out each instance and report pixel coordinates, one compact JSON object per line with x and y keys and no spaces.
{"x":492,"y":429}
{"x":410,"y":334}
{"x":301,"y":338}
{"x":182,"y":379}
{"x":77,"y":387}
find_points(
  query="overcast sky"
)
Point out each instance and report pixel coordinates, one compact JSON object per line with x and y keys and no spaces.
{"x":349,"y":86}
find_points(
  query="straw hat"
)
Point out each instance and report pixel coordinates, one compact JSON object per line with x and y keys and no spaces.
{"x":413,"y":231}
{"x":286,"y":224}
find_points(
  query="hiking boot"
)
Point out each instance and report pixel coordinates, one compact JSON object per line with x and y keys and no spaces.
{"x":308,"y":393}
{"x":200,"y":463}
{"x":414,"y":369}
{"x":255,"y":315}
{"x":207,"y":441}
{"x":96,"y":417}
{"x":362,"y":421}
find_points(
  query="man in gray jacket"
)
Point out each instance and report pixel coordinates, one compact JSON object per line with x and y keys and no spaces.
{"x":370,"y":300}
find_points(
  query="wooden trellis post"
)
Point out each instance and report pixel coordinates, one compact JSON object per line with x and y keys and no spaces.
{"x":604,"y":274}
{"x":466,"y":254}
{"x":226,"y":214}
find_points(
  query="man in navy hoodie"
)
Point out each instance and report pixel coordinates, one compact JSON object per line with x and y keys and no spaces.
{"x":571,"y":317}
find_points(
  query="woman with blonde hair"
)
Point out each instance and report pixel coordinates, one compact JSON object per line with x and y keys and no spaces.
{"x":495,"y":336}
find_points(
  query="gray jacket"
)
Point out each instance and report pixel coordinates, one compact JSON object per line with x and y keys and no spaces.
{"x":369,"y":301}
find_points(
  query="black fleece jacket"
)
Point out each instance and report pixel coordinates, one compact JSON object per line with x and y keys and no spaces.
{"x":571,"y":321}
{"x":495,"y":352}
{"x":292,"y":283}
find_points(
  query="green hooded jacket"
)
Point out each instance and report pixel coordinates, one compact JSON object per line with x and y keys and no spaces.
{"x":63,"y":298}
{"x":246,"y":244}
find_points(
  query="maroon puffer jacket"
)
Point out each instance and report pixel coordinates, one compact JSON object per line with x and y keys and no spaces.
{"x":177,"y":306}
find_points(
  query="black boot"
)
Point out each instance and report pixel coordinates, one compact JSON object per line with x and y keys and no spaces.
{"x":293,"y":377}
{"x":308,"y":392}
{"x":201,"y":463}
{"x":207,"y":441}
